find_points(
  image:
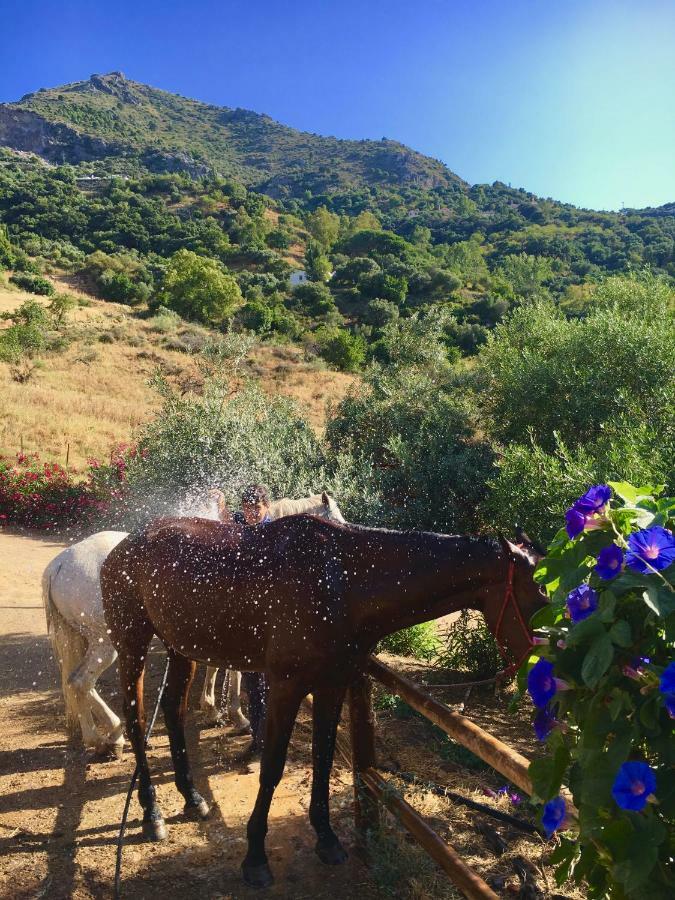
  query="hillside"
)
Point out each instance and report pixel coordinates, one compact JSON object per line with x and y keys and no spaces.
{"x":91,"y":396}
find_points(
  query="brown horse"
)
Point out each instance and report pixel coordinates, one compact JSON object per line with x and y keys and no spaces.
{"x":304,"y":599}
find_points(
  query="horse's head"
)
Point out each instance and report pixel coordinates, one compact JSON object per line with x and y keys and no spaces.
{"x":328,"y":509}
{"x":510,"y":608}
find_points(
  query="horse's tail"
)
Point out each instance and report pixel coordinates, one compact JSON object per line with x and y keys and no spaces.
{"x":68,"y":644}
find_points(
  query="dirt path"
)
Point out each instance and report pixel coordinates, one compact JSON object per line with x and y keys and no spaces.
{"x":60,"y":809}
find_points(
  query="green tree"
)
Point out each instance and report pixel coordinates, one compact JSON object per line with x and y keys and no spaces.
{"x":7,"y":255}
{"x":199,"y":288}
{"x":317,"y":264}
{"x":545,"y":374}
{"x":526,"y":274}
{"x":324,"y":226}
{"x":314,"y":300}
{"x":341,"y":348}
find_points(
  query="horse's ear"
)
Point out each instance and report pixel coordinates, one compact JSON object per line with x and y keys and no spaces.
{"x":511,"y":550}
{"x":325,"y":499}
{"x":523,"y":538}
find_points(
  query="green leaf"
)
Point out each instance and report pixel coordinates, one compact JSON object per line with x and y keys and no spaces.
{"x":641,"y":517}
{"x":659,"y":599}
{"x":631,"y":494}
{"x":585,"y":631}
{"x":547,"y":615}
{"x":606,"y":605}
{"x":620,"y":700}
{"x":620,"y":634}
{"x":547,"y":774}
{"x":619,"y":749}
{"x":597,"y":660}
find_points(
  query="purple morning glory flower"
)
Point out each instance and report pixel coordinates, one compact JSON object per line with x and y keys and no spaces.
{"x":541,"y":684}
{"x":610,"y":560}
{"x":575,"y":522}
{"x":651,"y":548}
{"x":553,"y":816}
{"x":594,"y":500}
{"x":583,"y":511}
{"x":582,"y":602}
{"x":544,"y":722}
{"x":667,"y":682}
{"x":667,"y":688}
{"x":634,"y":782}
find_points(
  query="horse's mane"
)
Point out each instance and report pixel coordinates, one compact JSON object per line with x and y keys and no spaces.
{"x":230,"y":534}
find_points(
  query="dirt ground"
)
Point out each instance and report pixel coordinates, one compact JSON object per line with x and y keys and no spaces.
{"x":60,"y":809}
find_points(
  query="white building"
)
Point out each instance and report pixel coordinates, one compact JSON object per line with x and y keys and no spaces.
{"x":299,"y":276}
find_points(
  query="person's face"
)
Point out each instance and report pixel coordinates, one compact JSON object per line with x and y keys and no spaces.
{"x":254,"y":513}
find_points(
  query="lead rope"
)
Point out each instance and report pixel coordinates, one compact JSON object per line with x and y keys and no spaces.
{"x":132,"y":784}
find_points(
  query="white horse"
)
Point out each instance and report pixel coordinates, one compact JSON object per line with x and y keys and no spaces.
{"x":71,"y":594}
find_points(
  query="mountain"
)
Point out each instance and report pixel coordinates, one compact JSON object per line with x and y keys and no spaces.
{"x":111,"y":117}
{"x":110,"y":125}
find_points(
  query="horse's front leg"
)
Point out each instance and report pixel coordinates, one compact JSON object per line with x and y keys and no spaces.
{"x":207,"y":701}
{"x":284,"y":700}
{"x":327,"y":705}
{"x":238,"y":719}
{"x":174,"y":704}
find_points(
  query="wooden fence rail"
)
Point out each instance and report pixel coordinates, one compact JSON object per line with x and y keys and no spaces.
{"x":370,"y":788}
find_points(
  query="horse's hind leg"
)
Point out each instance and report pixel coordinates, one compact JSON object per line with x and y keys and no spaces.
{"x":238,"y":719}
{"x":207,"y":700}
{"x":327,"y":704}
{"x":174,"y":704}
{"x":132,"y":670}
{"x":100,"y":655}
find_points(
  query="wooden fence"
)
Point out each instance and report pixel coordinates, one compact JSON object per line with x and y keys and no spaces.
{"x":370,"y":789}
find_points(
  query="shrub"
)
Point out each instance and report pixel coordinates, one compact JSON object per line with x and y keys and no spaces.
{"x":533,"y":487}
{"x":380,"y":312}
{"x":314,"y":300}
{"x":611,"y":639}
{"x":60,"y":308}
{"x":470,"y":647}
{"x":221,"y":438}
{"x":34,"y":284}
{"x":340,"y":348}
{"x":27,"y":335}
{"x":7,"y":252}
{"x":544,"y":373}
{"x":120,"y":288}
{"x":164,"y":320}
{"x":420,"y":641}
{"x":256,"y":316}
{"x":40,"y":494}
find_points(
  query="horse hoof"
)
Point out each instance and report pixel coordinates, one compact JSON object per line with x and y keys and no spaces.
{"x":257,"y":876}
{"x":154,"y":830}
{"x":331,"y":854}
{"x":239,"y":730}
{"x":109,"y":751}
{"x":198,"y":809}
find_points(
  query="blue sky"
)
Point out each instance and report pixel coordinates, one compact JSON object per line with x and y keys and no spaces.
{"x":571,"y":99}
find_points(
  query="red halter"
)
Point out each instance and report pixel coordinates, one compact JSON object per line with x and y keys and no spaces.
{"x":510,"y":598}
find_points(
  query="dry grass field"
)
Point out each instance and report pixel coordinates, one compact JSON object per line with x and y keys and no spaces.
{"x":94,"y":394}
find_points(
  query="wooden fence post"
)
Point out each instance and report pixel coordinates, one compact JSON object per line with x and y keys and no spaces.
{"x":362,"y":729}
